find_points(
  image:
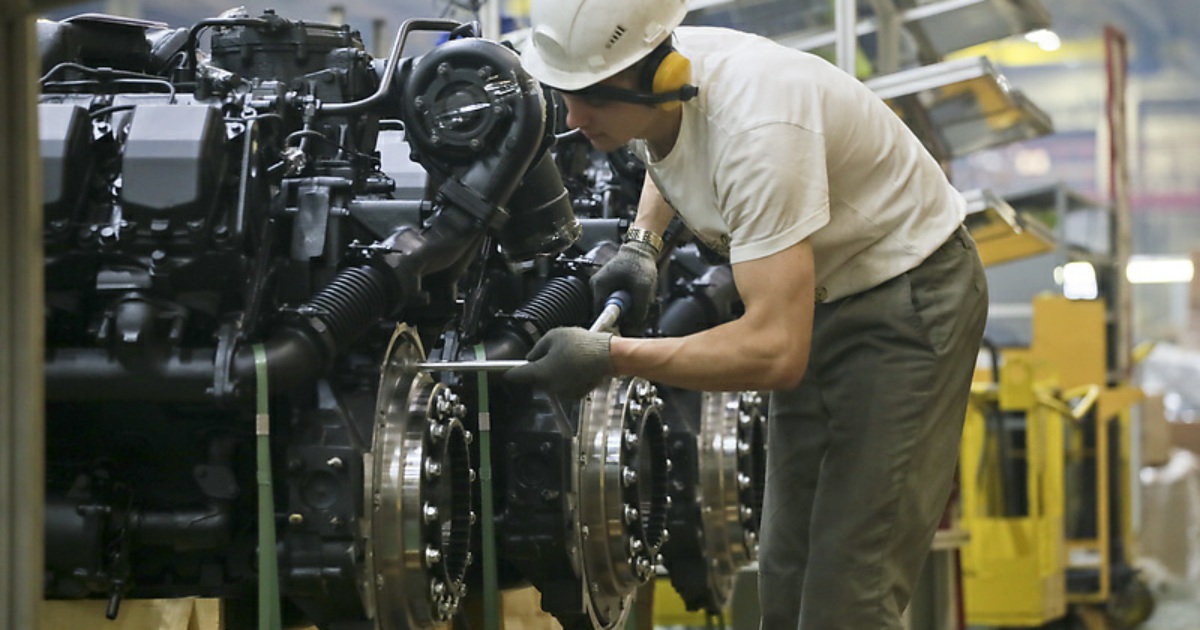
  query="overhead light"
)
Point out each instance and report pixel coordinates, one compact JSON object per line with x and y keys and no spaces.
{"x":1045,"y":39}
{"x":1159,"y":270}
{"x":1078,"y":280}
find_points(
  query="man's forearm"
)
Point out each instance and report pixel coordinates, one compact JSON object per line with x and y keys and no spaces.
{"x":654,"y":213}
{"x":730,"y":357}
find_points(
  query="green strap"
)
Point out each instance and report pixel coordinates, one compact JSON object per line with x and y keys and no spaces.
{"x":269,"y":616}
{"x":491,"y":607}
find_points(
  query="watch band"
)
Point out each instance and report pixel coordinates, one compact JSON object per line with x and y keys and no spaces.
{"x":642,"y":235}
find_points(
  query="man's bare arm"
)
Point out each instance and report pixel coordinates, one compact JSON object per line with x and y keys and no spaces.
{"x":766,"y":348}
{"x":654,"y":213}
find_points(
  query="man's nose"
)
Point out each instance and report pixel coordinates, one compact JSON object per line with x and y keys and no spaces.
{"x":577,"y":112}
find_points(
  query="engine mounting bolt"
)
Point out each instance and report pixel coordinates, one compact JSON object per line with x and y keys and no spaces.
{"x":746,"y":513}
{"x":667,"y":503}
{"x":437,"y":431}
{"x":744,"y":419}
{"x":468,"y":437}
{"x":472,"y":475}
{"x":631,"y":514}
{"x":430,"y":512}
{"x":419,"y":102}
{"x":743,"y":481}
{"x":432,"y":556}
{"x":669,"y":465}
{"x":468,"y":559}
{"x":433,"y":468}
{"x":584,"y":531}
{"x":743,"y":447}
{"x":631,"y":439}
{"x":296,"y":519}
{"x":636,"y":408}
{"x":595,"y":588}
{"x":334,"y":521}
{"x":476,"y":144}
{"x":636,"y":546}
{"x":460,"y":411}
{"x":335,"y":463}
{"x":666,"y":431}
{"x":666,"y":535}
{"x":629,"y":476}
{"x":438,"y":588}
{"x":473,"y":517}
{"x":444,"y":68}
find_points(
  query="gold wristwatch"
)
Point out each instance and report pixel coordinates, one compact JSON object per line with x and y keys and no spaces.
{"x":642,"y":235}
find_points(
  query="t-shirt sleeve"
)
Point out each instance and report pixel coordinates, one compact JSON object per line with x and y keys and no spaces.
{"x":772,"y":189}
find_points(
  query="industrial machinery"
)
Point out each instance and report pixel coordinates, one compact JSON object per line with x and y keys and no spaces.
{"x":255,"y":232}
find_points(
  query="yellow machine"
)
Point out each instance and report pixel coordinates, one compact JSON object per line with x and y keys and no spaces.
{"x":1046,"y":480}
{"x":1014,"y":567}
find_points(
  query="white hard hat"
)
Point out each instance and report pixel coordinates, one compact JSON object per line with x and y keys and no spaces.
{"x":578,"y":43}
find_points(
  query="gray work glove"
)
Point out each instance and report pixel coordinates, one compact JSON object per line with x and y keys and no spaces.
{"x":635,"y":270}
{"x":568,"y":362}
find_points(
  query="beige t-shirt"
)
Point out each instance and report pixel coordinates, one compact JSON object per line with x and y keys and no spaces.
{"x":782,"y":146}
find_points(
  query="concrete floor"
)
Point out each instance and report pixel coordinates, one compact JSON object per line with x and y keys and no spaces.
{"x":1177,"y":607}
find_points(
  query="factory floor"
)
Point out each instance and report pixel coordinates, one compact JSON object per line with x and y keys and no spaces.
{"x":1177,"y":607}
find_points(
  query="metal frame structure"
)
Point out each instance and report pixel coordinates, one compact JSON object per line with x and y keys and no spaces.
{"x":21,"y":444}
{"x":938,"y":28}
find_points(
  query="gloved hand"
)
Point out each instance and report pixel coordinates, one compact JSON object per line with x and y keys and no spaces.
{"x":568,"y":362}
{"x":635,"y":270}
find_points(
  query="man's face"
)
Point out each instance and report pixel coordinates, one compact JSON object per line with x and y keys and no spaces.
{"x":608,"y":124}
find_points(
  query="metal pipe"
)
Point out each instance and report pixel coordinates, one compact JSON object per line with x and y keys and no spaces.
{"x":846,"y":25}
{"x":389,"y":71}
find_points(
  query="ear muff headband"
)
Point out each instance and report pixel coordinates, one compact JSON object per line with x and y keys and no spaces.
{"x":663,"y":81}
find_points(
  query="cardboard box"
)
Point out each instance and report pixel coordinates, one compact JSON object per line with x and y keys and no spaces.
{"x":1185,"y":435}
{"x":1156,"y":432}
{"x":186,"y":613}
{"x":1191,"y":332}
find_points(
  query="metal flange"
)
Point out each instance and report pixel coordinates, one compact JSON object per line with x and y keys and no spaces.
{"x":418,"y":517}
{"x":623,"y":495}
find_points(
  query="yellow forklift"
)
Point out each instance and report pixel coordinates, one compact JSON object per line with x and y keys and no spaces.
{"x":1046,"y":470}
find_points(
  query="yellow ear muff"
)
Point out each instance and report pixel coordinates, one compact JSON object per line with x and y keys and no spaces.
{"x":674,"y":71}
{"x":666,"y":71}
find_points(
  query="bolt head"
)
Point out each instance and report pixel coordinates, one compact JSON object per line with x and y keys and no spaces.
{"x":629,"y":476}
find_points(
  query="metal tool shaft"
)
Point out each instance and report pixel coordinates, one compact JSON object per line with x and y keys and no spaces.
{"x":467,"y":366}
{"x":607,"y":320}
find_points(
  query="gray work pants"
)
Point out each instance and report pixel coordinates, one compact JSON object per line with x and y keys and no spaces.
{"x":861,"y":455}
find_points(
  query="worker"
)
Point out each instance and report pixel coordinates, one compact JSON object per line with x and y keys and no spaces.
{"x":864,"y":296}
